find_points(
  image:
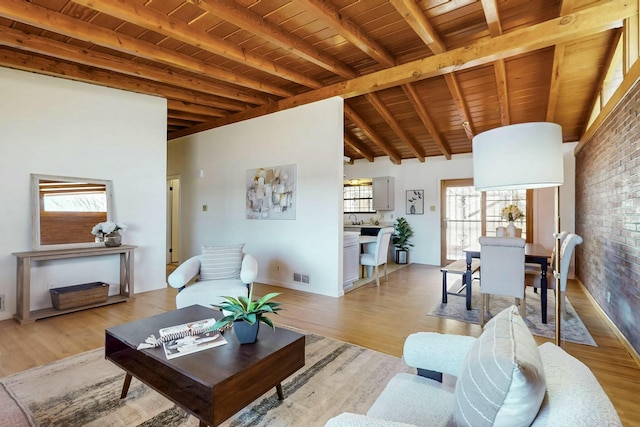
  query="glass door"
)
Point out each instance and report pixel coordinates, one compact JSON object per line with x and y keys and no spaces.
{"x":462,"y":218}
{"x":468,"y":214}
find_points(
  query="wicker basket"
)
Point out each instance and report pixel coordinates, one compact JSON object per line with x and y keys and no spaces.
{"x":79,"y":295}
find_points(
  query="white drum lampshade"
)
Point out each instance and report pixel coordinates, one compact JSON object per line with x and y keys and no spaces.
{"x":526,"y":155}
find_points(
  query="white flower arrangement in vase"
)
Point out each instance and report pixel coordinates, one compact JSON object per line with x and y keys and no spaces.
{"x":108,"y":232}
{"x":511,"y":213}
{"x":107,"y":227}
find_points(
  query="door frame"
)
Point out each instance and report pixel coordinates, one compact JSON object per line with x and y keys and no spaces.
{"x":173,"y":252}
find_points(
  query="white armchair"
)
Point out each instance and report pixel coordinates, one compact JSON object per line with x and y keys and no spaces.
{"x":194,"y":290}
{"x":564,"y":393}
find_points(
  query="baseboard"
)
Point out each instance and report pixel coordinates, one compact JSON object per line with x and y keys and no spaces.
{"x":625,"y":342}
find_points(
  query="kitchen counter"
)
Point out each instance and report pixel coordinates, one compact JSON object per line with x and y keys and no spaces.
{"x":366,"y":229}
{"x":368,"y":225}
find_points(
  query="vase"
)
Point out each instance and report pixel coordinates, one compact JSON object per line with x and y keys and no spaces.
{"x":511,"y":229}
{"x":246,"y":332}
{"x":113,"y":239}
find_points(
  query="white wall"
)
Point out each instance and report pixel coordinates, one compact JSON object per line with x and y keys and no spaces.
{"x":413,"y":175}
{"x":61,"y":127}
{"x":309,"y":136}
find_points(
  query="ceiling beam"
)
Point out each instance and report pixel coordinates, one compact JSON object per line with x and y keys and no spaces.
{"x":349,"y":30}
{"x":490,"y":8}
{"x":461,"y":105}
{"x":187,"y":107}
{"x":183,"y":115}
{"x":412,"y":13}
{"x":559,"y":30}
{"x":556,"y":68}
{"x":503,"y":92}
{"x":357,"y":146}
{"x":420,"y":24}
{"x":377,"y":103}
{"x":421,"y":109}
{"x":554,"y":86}
{"x":371,"y":134}
{"x":44,"y":46}
{"x":244,"y":18}
{"x":146,"y":17}
{"x":492,"y":16}
{"x":37,"y":16}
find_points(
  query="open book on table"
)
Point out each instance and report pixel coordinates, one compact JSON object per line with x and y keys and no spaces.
{"x":189,"y":338}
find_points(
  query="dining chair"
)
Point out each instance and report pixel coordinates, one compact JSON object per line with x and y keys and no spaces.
{"x":532,"y":268}
{"x":502,"y":271}
{"x":375,"y":254}
{"x":566,"y":252}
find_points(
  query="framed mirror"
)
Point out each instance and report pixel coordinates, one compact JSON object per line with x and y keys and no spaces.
{"x":65,"y":209}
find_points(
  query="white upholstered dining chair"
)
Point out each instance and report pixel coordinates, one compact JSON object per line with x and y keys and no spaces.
{"x":375,"y":254}
{"x":567,"y":248}
{"x":502,"y":271}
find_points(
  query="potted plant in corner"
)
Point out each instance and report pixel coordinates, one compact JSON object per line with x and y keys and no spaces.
{"x":246,"y":315}
{"x":403,"y":233}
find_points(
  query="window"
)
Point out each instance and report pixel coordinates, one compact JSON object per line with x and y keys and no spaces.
{"x":358,"y":196}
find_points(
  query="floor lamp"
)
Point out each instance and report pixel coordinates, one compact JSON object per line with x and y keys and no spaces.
{"x":523,"y":156}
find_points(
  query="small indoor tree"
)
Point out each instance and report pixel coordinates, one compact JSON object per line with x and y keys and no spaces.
{"x":403,"y":233}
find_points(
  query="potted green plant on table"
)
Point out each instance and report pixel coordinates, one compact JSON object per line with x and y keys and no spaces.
{"x":246,"y":315}
{"x":403,"y":232}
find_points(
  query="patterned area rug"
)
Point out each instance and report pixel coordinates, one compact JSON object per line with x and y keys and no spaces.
{"x":573,"y":328}
{"x":84,"y":390}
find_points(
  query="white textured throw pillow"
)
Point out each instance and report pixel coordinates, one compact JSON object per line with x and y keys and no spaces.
{"x":221,"y":262}
{"x":502,"y":381}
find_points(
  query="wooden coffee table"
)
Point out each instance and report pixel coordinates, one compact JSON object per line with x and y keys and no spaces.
{"x":213,"y":384}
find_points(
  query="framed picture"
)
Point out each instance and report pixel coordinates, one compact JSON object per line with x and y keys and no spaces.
{"x":415,"y":202}
{"x":271,"y":192}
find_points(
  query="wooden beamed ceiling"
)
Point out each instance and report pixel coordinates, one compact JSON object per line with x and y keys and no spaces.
{"x":420,"y":78}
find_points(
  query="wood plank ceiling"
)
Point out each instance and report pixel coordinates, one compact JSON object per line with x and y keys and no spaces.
{"x":419,"y":78}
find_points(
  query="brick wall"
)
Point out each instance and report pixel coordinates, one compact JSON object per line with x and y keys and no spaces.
{"x":608,"y":216}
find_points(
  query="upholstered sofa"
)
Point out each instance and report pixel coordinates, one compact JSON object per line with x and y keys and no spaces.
{"x":501,"y":378}
{"x":218,"y":272}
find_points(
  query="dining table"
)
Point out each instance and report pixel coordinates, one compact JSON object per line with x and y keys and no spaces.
{"x":534,"y":253}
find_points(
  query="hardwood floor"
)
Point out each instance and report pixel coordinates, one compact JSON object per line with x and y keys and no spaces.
{"x":376,"y":318}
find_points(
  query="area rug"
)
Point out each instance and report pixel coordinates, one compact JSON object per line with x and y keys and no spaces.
{"x":84,"y":390}
{"x":573,"y":328}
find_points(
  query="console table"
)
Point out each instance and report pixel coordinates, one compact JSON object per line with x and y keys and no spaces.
{"x":23,"y":279}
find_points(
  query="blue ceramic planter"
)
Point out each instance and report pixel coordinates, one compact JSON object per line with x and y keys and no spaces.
{"x":245,"y":332}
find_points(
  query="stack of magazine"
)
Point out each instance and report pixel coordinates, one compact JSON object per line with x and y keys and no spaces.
{"x":189,"y":338}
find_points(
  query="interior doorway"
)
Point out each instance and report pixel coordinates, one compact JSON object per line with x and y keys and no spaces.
{"x":173,"y":219}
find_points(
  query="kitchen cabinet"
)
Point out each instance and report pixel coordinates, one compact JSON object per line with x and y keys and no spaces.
{"x":351,"y":259}
{"x":384,"y":193}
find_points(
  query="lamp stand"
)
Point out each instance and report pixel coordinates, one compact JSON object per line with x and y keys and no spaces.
{"x":556,"y":267}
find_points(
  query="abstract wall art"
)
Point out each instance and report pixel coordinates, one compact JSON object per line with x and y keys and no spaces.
{"x":271,"y":192}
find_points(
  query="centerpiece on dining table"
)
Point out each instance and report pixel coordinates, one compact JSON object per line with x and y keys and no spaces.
{"x":511,"y":213}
